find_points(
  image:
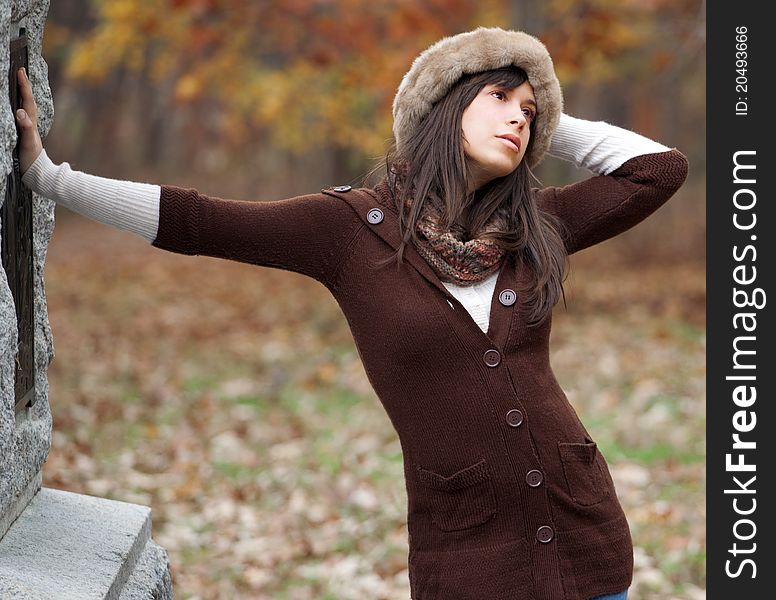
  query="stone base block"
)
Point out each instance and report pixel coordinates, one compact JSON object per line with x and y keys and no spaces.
{"x":69,"y":546}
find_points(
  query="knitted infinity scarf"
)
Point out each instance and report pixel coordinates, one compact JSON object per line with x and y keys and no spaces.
{"x":454,"y":260}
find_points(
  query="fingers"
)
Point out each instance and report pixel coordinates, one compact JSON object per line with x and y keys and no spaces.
{"x":28,"y":100}
{"x":30,"y":138}
{"x":30,"y":145}
{"x":24,"y":119}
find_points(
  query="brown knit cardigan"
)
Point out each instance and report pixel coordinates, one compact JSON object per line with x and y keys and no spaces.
{"x":508,"y":495}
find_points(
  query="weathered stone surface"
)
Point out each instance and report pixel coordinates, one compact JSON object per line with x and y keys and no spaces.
{"x":151,"y":578}
{"x":20,"y":503}
{"x":67,"y":545}
{"x":24,"y":439}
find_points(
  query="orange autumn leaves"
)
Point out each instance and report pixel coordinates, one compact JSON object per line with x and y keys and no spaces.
{"x":292,"y":73}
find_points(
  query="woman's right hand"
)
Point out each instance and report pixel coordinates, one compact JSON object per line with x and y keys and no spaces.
{"x":30,"y":144}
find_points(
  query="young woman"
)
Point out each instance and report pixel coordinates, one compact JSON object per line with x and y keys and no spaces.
{"x":447,"y":272}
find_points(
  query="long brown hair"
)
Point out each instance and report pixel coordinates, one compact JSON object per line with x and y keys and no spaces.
{"x":431,"y":162}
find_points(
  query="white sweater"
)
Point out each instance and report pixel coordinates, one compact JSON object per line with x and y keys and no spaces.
{"x":131,"y":206}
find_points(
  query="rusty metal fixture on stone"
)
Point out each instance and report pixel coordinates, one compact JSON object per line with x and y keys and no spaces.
{"x":17,"y":247}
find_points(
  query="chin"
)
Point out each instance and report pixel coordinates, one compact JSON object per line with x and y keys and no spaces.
{"x":507,"y":171}
{"x":500,"y":170}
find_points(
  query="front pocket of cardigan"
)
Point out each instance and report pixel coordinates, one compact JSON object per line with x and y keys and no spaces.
{"x":462,"y":500}
{"x":582,"y":470}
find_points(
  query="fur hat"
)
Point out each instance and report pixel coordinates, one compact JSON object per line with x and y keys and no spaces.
{"x":440,"y":66}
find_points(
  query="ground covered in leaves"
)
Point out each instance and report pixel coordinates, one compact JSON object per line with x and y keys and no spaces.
{"x":232,"y":401}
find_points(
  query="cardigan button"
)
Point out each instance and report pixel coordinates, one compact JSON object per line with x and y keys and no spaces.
{"x":374,"y":216}
{"x":342,"y":188}
{"x":534,"y":478}
{"x":544,"y":534}
{"x":492,"y":358}
{"x":507,"y":297}
{"x":515,"y":418}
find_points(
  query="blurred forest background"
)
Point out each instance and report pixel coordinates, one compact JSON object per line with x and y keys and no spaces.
{"x":231,"y":399}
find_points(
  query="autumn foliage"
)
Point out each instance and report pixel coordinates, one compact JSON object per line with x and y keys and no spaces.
{"x":300,"y":73}
{"x":296,"y":70}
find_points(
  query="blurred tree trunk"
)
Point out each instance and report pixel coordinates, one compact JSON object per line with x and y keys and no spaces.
{"x":527,"y":16}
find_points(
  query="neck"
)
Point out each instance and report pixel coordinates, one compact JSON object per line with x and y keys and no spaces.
{"x":474,"y":182}
{"x":475,"y":178}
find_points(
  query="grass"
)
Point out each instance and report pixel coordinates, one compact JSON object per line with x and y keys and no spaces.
{"x":652,"y":455}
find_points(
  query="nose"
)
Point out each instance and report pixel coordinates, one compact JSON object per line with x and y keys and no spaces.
{"x":519,"y":119}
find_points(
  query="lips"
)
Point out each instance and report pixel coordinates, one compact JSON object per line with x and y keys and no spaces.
{"x":513,"y":140}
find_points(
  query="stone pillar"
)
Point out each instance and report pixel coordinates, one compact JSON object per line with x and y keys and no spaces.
{"x":54,"y":544}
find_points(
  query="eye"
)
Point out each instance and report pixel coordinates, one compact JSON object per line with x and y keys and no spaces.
{"x":498,"y":95}
{"x":529,"y":114}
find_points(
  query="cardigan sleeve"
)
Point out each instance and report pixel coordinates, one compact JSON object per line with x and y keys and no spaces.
{"x":635,"y":176}
{"x":604,"y":206}
{"x":306,"y":234}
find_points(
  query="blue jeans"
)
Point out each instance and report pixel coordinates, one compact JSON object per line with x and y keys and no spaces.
{"x":620,"y":596}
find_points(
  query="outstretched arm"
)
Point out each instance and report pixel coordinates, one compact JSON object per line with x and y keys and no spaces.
{"x":308,"y":234}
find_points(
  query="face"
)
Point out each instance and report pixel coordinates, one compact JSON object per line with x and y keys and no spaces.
{"x":496,"y":128}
